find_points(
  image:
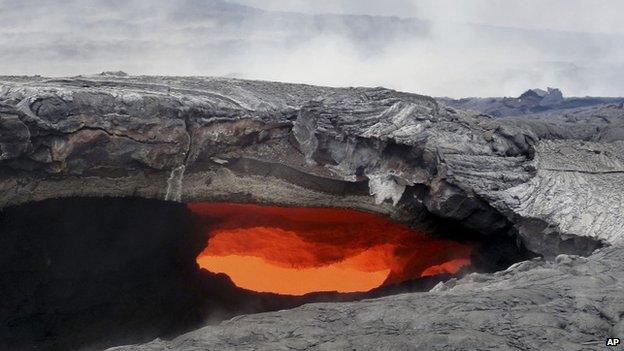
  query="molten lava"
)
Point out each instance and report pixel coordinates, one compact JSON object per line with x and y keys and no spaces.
{"x":300,"y":250}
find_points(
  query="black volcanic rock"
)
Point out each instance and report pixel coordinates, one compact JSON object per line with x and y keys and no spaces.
{"x":79,"y":273}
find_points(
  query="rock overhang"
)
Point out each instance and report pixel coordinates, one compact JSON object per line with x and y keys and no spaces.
{"x":548,"y":180}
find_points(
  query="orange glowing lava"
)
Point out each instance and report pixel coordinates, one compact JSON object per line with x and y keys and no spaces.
{"x":301,"y":250}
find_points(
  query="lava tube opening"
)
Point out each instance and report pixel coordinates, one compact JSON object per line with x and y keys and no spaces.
{"x":295,"y":251}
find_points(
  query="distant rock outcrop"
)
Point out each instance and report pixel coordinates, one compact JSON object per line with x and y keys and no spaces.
{"x":114,"y":74}
{"x":544,"y":98}
{"x":529,"y":102}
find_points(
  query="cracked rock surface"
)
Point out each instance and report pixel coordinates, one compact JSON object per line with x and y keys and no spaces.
{"x":571,"y":303}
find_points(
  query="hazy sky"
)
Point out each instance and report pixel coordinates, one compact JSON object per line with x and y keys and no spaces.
{"x":454,"y":52}
{"x":603,"y":16}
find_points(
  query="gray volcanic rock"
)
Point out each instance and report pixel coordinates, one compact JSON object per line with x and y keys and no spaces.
{"x":530,"y":102}
{"x":554,"y":181}
{"x":573,"y":303}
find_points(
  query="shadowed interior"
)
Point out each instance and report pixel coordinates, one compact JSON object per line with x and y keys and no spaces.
{"x":301,"y":250}
{"x":88,"y":273}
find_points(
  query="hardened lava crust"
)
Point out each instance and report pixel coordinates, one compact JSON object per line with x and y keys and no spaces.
{"x":553,"y":180}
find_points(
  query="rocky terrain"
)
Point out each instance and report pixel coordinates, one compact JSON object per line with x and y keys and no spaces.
{"x":530,"y":102}
{"x":552,"y":182}
{"x":573,"y":303}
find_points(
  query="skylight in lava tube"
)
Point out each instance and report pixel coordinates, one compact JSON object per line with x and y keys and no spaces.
{"x":296,"y":250}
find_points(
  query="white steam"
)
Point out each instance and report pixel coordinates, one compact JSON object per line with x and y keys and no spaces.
{"x":439,"y":56}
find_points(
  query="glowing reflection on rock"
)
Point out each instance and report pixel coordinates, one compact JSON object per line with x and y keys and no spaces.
{"x":300,"y":250}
